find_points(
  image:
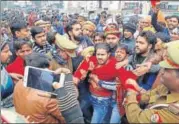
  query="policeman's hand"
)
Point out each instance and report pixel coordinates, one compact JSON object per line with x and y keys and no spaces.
{"x":62,"y":70}
{"x":15,"y":76}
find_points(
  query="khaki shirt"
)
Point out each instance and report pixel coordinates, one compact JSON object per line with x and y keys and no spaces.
{"x":167,"y":110}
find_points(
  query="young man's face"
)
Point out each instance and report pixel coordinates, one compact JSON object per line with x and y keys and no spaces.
{"x":76,"y":31}
{"x":87,"y":32}
{"x":173,"y":23}
{"x":127,"y":34}
{"x":98,"y":39}
{"x":112,"y":40}
{"x":41,"y":39}
{"x":24,"y":51}
{"x":23,"y":33}
{"x":102,"y":56}
{"x":120,"y":54}
{"x":65,"y":21}
{"x":141,"y":45}
{"x":5,"y":54}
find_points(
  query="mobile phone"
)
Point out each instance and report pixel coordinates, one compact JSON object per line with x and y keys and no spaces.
{"x":42,"y":79}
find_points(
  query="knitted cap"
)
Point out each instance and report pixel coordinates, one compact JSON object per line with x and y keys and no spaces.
{"x":130,"y":27}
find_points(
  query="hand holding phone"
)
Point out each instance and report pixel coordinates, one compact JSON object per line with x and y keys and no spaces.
{"x":42,"y":79}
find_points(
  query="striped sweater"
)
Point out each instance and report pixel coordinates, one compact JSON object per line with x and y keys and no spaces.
{"x":67,"y":95}
{"x":42,"y":49}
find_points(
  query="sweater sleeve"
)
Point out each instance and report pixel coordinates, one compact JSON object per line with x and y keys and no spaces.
{"x":108,"y":85}
{"x":84,"y":65}
{"x":158,"y":27}
{"x":154,"y":68}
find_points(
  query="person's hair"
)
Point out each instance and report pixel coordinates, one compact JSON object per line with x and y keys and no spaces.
{"x":125,"y":47}
{"x":69,"y":26}
{"x":167,"y":17}
{"x":17,"y":26}
{"x":20,"y":42}
{"x":51,"y":37}
{"x":36,"y":30}
{"x":37,"y":60}
{"x":100,"y":34}
{"x":149,"y":36}
{"x":103,"y":46}
{"x":3,"y":44}
{"x":175,"y":16}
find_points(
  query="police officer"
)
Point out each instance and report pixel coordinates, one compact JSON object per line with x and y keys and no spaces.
{"x":163,"y":101}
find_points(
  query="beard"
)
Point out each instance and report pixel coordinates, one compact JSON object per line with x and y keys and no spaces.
{"x":78,"y":38}
{"x":140,"y":51}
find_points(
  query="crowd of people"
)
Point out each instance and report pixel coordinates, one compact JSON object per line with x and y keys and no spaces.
{"x":115,"y":72}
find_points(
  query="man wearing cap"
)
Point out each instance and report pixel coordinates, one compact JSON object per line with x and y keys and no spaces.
{"x":128,"y":38}
{"x":112,"y":36}
{"x":88,"y":29}
{"x":163,"y":101}
{"x":46,"y":25}
{"x":66,"y":49}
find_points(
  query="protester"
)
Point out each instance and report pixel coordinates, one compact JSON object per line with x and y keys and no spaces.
{"x":22,"y":48}
{"x":40,"y":40}
{"x":128,"y":38}
{"x":98,"y":38}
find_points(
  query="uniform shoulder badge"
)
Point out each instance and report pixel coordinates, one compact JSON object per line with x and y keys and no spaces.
{"x":174,"y":108}
{"x":155,"y":118}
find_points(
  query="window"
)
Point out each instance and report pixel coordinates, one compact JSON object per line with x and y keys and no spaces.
{"x":172,"y":7}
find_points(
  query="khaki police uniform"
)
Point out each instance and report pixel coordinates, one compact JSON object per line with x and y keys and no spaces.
{"x":163,"y":106}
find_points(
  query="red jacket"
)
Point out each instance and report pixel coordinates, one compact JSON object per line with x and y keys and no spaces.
{"x":106,"y":72}
{"x":16,"y":67}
